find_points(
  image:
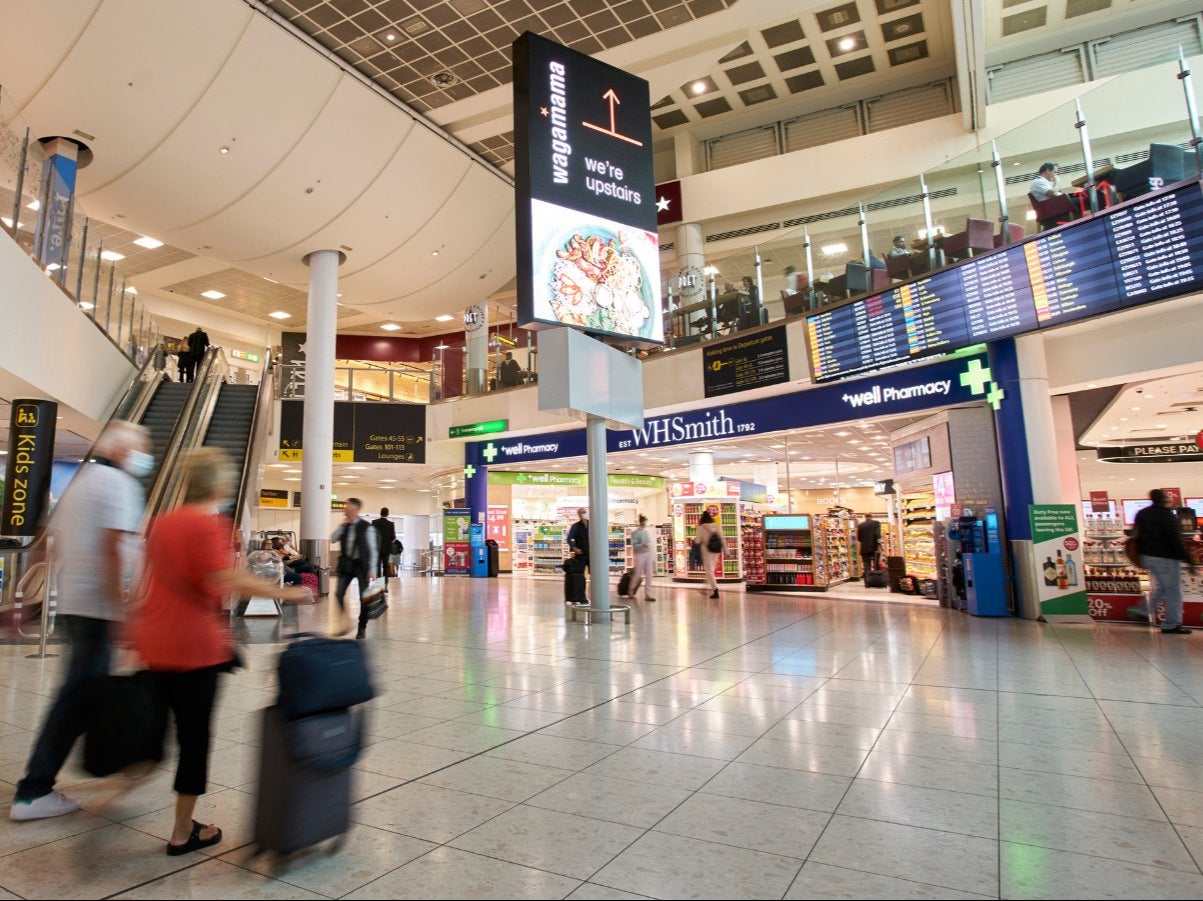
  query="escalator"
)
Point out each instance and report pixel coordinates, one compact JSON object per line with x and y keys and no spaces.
{"x":161,"y":418}
{"x":233,"y":416}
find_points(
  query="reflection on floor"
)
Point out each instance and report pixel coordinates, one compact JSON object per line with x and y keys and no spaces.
{"x":754,"y":747}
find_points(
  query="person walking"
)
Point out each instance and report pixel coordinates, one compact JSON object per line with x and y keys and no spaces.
{"x":93,"y":530}
{"x":868,"y":537}
{"x":709,"y":540}
{"x":643,"y":545}
{"x":180,"y":630}
{"x":1162,"y":553}
{"x":358,"y":553}
{"x":578,"y":547}
{"x":386,"y":534}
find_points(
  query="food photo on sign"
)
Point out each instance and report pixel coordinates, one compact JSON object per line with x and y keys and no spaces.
{"x":595,"y":273}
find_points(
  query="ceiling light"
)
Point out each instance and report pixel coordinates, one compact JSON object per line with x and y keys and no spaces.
{"x":1092,"y":385}
{"x":295,"y":472}
{"x":388,"y":480}
{"x":53,"y":267}
{"x":280,"y":314}
{"x":1030,"y":215}
{"x":842,"y":434}
{"x":84,"y":305}
{"x":698,"y":87}
{"x":223,"y":150}
{"x":434,"y":253}
{"x":1136,"y":409}
{"x":148,"y":243}
{"x":8,"y":223}
{"x":356,"y":467}
{"x":847,"y":43}
{"x":391,"y":36}
{"x":111,"y":255}
{"x":34,"y":205}
{"x":390,"y":327}
{"x":274,"y":282}
{"x":832,"y":249}
{"x":443,"y":318}
{"x":293,"y":479}
{"x":212,"y":295}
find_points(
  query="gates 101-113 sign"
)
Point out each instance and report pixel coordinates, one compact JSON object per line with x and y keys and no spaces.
{"x":588,"y":252}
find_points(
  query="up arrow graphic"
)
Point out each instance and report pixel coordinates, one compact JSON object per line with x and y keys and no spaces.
{"x":614,"y":101}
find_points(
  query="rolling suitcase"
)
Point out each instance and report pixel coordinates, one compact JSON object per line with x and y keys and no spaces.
{"x":876,"y":578}
{"x":574,"y":588}
{"x":304,"y":794}
{"x":624,"y":584}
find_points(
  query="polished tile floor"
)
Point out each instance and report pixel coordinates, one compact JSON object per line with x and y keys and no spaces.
{"x":756,"y":747}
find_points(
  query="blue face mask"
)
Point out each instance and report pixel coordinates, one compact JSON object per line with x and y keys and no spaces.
{"x":139,"y":464}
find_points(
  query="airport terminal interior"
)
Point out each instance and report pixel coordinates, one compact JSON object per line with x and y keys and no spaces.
{"x":864,"y":335}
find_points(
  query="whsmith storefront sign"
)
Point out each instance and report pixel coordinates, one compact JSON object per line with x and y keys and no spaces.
{"x":1168,"y":452}
{"x":954,"y":381}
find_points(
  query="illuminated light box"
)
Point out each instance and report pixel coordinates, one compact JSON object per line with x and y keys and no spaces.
{"x":588,"y":250}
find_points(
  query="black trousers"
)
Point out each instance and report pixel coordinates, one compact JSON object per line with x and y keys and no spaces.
{"x":68,"y":718}
{"x":191,"y":695}
{"x":340,"y":593}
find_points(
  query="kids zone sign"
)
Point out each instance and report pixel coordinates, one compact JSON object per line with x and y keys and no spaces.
{"x":948,"y":382}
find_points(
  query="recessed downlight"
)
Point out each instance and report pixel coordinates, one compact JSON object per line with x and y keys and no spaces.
{"x":280,"y":314}
{"x":148,"y":242}
{"x":390,"y":327}
{"x":111,"y":255}
{"x":212,"y":295}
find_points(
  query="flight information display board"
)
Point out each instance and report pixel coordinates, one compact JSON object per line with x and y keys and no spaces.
{"x":1143,"y":251}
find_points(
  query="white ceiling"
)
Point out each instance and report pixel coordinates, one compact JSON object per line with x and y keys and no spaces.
{"x":1164,"y":409}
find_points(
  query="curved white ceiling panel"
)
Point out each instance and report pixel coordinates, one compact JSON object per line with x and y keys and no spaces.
{"x":464,"y":285}
{"x":469,"y":218}
{"x":32,"y":50}
{"x":134,"y":73}
{"x":334,"y":162}
{"x":263,"y":101}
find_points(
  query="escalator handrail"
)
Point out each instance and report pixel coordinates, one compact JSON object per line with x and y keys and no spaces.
{"x":254,"y":440}
{"x":189,"y":432}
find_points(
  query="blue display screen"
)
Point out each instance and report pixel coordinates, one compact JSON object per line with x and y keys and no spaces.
{"x":1139,"y":252}
{"x":786,"y":523}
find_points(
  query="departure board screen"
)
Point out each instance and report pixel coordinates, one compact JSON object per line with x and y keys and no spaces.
{"x":1140,"y":252}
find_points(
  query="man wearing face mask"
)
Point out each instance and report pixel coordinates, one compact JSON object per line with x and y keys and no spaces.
{"x":93,"y":530}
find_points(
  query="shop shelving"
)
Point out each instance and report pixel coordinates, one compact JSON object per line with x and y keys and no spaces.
{"x":752,"y":538}
{"x":918,"y":535}
{"x":548,"y":548}
{"x":686,"y":513}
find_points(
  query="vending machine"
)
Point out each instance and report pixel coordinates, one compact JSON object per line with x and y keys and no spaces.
{"x":479,"y":566}
{"x":980,"y":549}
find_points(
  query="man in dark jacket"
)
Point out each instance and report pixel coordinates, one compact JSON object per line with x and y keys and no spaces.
{"x":578,"y":539}
{"x":1162,"y":553}
{"x":868,"y":536}
{"x":357,"y":560}
{"x":386,"y":534}
{"x":198,"y":343}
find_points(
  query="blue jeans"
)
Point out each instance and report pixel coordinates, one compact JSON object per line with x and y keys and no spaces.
{"x":1166,"y":578}
{"x":68,"y":718}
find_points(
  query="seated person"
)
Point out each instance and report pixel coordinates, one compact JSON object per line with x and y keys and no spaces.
{"x":875,"y":262}
{"x":1044,"y":186}
{"x":510,"y":373}
{"x":290,"y":577}
{"x":292,"y":560}
{"x":899,"y":248}
{"x":794,"y":280}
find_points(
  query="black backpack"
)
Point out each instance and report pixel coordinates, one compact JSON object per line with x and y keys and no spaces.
{"x":715,"y":544}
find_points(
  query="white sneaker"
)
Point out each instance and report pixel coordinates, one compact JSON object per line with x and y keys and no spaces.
{"x":55,"y":804}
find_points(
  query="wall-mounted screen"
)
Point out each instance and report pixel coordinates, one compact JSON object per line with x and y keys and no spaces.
{"x":588,"y":250}
{"x":1142,"y":251}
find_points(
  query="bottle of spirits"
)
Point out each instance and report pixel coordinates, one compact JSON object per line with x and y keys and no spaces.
{"x":1050,"y":572}
{"x":1071,"y":570}
{"x":1062,"y":576}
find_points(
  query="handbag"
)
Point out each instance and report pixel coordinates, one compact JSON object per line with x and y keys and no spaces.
{"x":128,"y":723}
{"x":715,"y":543}
{"x":318,"y":675}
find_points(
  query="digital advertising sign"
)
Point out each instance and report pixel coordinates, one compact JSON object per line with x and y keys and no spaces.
{"x":1145,"y":250}
{"x":588,"y":250}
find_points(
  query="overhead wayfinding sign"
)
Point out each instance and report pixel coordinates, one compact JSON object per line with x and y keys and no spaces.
{"x":491,"y":427}
{"x":1142,"y":251}
{"x":588,"y":251}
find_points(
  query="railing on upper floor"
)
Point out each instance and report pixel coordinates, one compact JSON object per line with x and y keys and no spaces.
{"x":974,"y":201}
{"x":364,"y":382}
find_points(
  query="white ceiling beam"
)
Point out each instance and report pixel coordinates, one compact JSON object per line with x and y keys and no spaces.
{"x":969,"y":48}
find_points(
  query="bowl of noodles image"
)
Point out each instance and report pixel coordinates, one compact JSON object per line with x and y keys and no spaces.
{"x":591,"y":276}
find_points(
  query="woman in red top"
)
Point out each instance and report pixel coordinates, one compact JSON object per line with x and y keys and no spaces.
{"x":182,"y":632}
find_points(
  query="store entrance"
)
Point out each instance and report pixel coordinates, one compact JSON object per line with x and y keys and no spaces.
{"x":1131,"y":439}
{"x":788,"y":505}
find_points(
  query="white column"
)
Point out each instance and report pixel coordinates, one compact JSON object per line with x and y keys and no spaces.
{"x":317,"y":430}
{"x":1038,"y":419}
{"x":691,"y":243}
{"x":599,"y":519}
{"x":476,"y":331}
{"x":1067,"y":453}
{"x":701,"y":467}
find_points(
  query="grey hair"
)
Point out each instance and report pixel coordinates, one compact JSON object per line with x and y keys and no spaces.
{"x":119,"y":435}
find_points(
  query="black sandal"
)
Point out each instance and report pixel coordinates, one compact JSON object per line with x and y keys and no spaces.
{"x":195,"y":842}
